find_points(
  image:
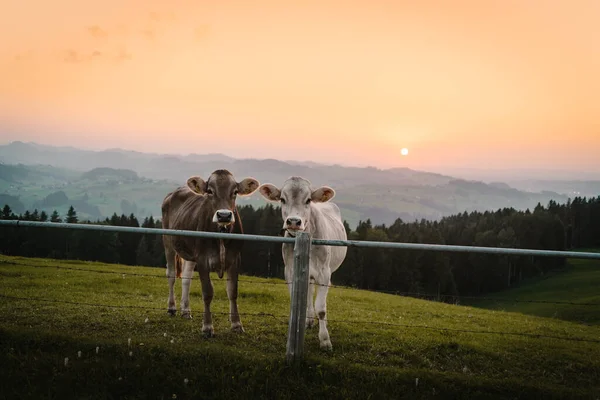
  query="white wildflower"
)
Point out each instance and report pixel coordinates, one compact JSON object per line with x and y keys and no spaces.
{"x":174,"y":396}
{"x":141,"y":344}
{"x":165,"y":334}
{"x":66,"y":361}
{"x":131,"y":354}
{"x":97,"y":349}
{"x":120,"y":378}
{"x":146,"y":320}
{"x":79,"y":354}
{"x":416,"y":381}
{"x":129,"y":342}
{"x":172,"y":340}
{"x":186,"y":381}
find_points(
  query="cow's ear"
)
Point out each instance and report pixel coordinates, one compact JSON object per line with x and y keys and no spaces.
{"x":270,"y":192}
{"x":197,"y":184}
{"x":247,"y":186}
{"x":323,"y":194}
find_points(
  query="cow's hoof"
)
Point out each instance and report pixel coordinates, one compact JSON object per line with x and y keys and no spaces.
{"x":326,"y":345}
{"x":208,"y":331}
{"x":186,"y":315}
{"x":237,"y":328}
{"x":172,"y":312}
{"x":310,"y":322}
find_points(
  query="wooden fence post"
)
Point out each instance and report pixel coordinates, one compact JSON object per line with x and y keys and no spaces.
{"x":295,"y":343}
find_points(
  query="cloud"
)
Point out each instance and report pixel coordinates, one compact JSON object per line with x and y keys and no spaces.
{"x":123,"y":55}
{"x":97,"y":32}
{"x":72,"y":56}
{"x":162,"y":17}
{"x":149,"y":34}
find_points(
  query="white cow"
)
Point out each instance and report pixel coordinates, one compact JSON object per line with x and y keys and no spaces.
{"x":308,"y":210}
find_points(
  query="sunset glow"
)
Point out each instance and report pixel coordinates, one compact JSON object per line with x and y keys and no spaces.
{"x":460,"y":83}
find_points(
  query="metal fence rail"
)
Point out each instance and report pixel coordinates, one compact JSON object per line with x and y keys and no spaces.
{"x":278,"y":239}
{"x":295,"y":344}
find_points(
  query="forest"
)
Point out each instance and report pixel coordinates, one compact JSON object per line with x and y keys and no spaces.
{"x":441,"y":275}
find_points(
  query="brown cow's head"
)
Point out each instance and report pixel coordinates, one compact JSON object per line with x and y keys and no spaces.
{"x":297,"y":198}
{"x":221,"y":190}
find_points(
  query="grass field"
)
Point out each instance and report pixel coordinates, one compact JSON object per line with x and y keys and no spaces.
{"x":403,"y":353}
{"x":580,"y":283}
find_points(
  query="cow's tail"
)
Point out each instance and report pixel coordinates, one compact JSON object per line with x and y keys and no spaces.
{"x":178,"y":265}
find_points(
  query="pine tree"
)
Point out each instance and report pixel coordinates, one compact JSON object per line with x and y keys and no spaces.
{"x":143,"y":255}
{"x":7,"y":212}
{"x":72,"y":216}
{"x":55,"y":217}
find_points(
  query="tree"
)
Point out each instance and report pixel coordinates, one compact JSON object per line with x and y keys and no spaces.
{"x":7,"y":212}
{"x":55,"y":217}
{"x":144,"y":254}
{"x":71,"y":216}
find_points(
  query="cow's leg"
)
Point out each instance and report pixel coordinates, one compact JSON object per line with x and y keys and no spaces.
{"x":232,"y":293}
{"x":171,"y":277}
{"x":321,"y":308}
{"x":310,"y":308}
{"x":207,"y":296}
{"x":186,"y":281}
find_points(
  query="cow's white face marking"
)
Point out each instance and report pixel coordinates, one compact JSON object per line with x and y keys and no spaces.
{"x":296,"y":197}
{"x":224,"y":217}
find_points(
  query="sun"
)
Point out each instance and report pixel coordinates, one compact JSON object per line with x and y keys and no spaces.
{"x":404,"y":151}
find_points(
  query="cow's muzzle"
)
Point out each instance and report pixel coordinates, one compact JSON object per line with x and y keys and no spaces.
{"x":293,"y":225}
{"x":224,"y":217}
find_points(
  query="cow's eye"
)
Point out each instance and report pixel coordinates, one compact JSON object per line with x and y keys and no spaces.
{"x":308,"y":201}
{"x":235,"y":193}
{"x":282,"y":201}
{"x":209,"y":191}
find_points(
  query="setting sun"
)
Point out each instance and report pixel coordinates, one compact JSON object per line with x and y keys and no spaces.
{"x":404,"y":151}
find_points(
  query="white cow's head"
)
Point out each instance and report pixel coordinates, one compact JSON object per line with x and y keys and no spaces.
{"x":297,"y":198}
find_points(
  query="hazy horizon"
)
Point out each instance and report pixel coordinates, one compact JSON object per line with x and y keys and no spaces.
{"x":474,"y":173}
{"x":463,"y":85}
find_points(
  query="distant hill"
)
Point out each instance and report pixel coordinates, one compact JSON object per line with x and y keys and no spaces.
{"x":121,"y":181}
{"x":110,"y":174}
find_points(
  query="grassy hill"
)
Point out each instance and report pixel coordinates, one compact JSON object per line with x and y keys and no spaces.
{"x":578,"y":284}
{"x":384,"y":346}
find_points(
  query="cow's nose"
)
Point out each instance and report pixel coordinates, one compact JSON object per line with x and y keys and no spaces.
{"x":293,"y":222}
{"x":224,"y":215}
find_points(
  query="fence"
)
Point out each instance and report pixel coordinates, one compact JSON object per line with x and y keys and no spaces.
{"x":302,"y":245}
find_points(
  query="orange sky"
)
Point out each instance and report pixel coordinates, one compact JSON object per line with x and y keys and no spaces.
{"x":474,"y":83}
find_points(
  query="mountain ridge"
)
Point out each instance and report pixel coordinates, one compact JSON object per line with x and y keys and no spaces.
{"x":139,"y":182}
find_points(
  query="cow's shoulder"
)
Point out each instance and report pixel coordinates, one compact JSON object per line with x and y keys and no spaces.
{"x":329,"y":210}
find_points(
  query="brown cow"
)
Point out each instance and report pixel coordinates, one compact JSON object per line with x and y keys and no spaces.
{"x":205,"y":206}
